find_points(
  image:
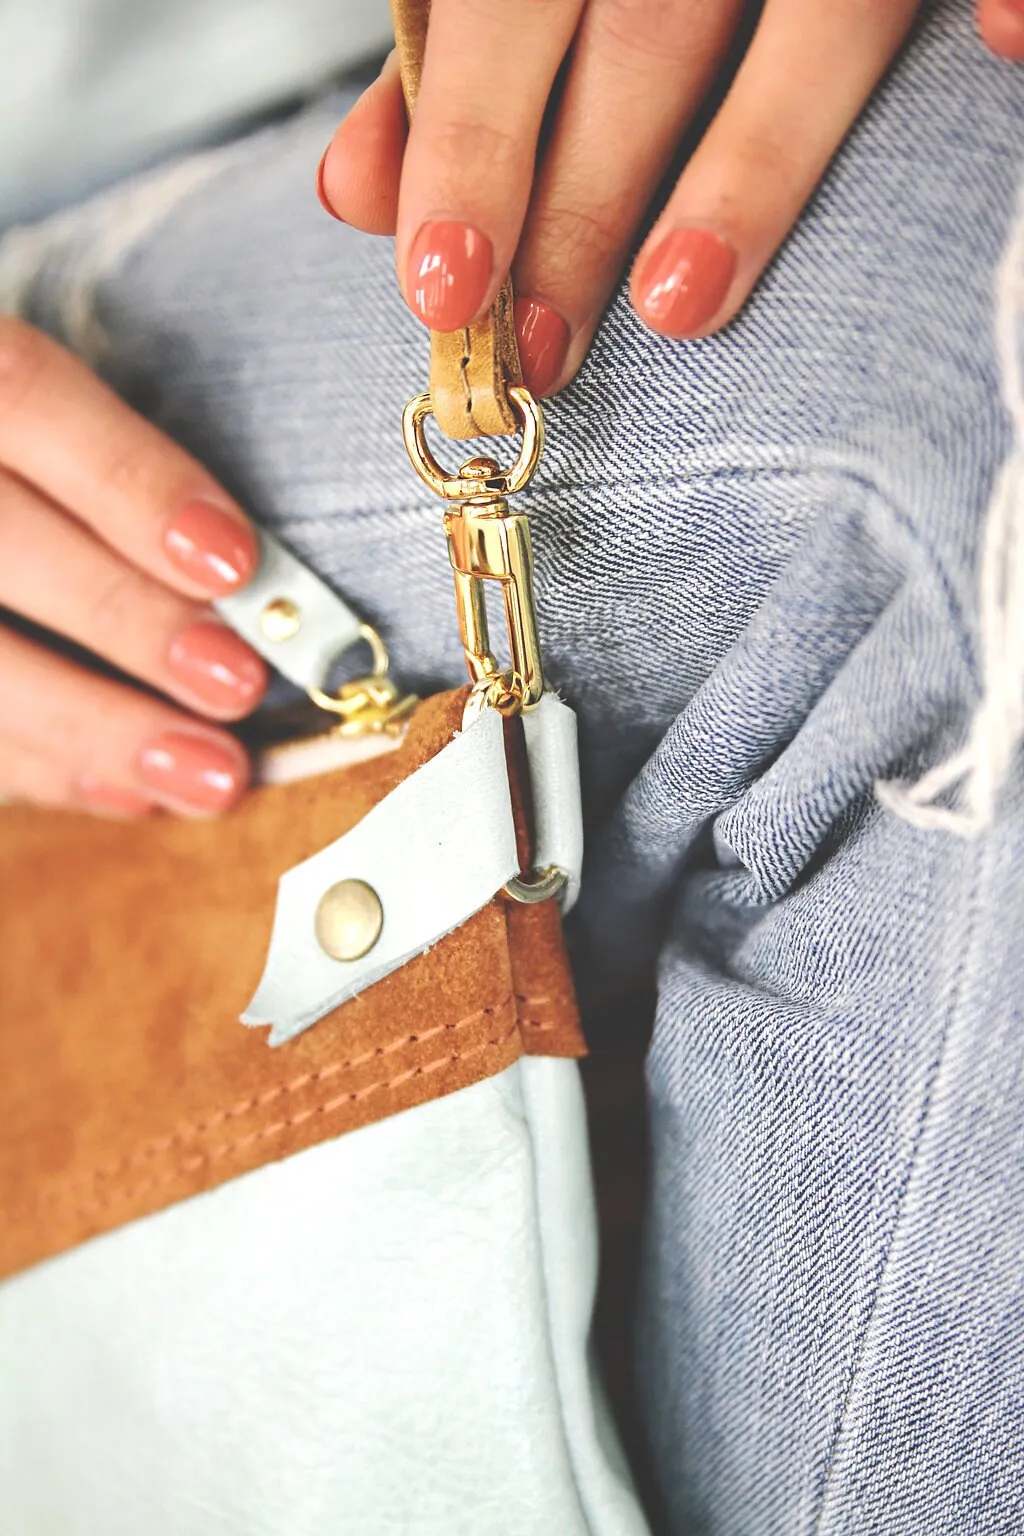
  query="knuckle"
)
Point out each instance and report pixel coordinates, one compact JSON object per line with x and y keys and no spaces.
{"x":22,"y":357}
{"x":122,"y":468}
{"x":566,"y":240}
{"x":113,"y":607}
{"x":770,"y":158}
{"x":669,"y":31}
{"x":464,"y":141}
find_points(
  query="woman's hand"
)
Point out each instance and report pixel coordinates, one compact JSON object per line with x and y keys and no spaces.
{"x":473,"y":188}
{"x":114,"y":538}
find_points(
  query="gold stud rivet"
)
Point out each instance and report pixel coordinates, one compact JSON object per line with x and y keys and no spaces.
{"x":348,"y":920}
{"x":281,"y":619}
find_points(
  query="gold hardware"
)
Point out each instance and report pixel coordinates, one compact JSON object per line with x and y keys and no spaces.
{"x":349,"y":919}
{"x":489,"y":542}
{"x":490,"y":481}
{"x":367,"y":704}
{"x":539,"y":885}
{"x":281,"y":619}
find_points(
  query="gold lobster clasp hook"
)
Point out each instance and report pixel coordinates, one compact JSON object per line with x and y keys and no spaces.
{"x":491,"y":543}
{"x":487,"y":541}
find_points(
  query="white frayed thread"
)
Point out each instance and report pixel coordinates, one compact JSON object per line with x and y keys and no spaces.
{"x":982,"y":764}
{"x":98,"y":236}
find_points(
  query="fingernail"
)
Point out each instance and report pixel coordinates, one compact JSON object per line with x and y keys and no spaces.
{"x":682,"y":284}
{"x":449,"y":273}
{"x":191,"y":772}
{"x":321,"y":194}
{"x":213,"y":547}
{"x":543,"y":342}
{"x":105,"y":800}
{"x":218,"y":669}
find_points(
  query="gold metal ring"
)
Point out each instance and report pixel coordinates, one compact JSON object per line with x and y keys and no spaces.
{"x":340,"y":703}
{"x":460,"y":487}
{"x":539,"y":885}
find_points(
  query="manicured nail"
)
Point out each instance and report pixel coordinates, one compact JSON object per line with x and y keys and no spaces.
{"x":191,"y":773}
{"x":101,"y":799}
{"x":543,"y":342}
{"x":682,"y":284}
{"x":321,"y":194}
{"x":215,"y":548}
{"x":218,"y":669}
{"x":449,"y":273}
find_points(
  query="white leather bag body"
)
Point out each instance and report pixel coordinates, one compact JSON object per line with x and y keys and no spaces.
{"x":387,"y":1332}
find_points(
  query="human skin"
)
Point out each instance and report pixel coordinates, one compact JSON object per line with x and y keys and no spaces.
{"x":474,"y":187}
{"x":114,"y":538}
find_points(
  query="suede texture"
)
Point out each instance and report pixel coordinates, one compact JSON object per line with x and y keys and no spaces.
{"x":127,"y":952}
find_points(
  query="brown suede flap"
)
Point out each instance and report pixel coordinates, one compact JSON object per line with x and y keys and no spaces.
{"x":127,"y":953}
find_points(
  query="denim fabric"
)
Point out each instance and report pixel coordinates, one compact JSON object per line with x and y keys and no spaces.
{"x":756,"y":573}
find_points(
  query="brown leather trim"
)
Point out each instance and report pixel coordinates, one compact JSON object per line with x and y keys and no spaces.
{"x":470,"y":368}
{"x":127,"y":953}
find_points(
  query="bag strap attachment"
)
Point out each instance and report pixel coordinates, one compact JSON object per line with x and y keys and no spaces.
{"x":470,"y":369}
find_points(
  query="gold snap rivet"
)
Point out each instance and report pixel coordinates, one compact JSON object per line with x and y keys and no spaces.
{"x":348,"y":920}
{"x":281,"y":619}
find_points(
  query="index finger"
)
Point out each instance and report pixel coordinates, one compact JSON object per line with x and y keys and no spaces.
{"x":488,"y":70}
{"x":66,"y":433}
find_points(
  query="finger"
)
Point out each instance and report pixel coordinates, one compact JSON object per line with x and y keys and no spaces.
{"x":357,"y":179}
{"x":631,"y":64}
{"x":102,"y":732}
{"x":55,"y":572}
{"x":32,"y":777}
{"x":70,"y":436}
{"x":488,"y":70}
{"x":1001,"y":24}
{"x":804,"y":80}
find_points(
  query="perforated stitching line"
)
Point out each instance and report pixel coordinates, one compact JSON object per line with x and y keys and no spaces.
{"x":216,"y":1153}
{"x":260,"y":1101}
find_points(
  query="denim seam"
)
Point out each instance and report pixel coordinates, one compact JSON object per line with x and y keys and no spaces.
{"x":970,"y":908}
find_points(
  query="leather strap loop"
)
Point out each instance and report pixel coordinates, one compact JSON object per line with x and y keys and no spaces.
{"x":470,"y":369}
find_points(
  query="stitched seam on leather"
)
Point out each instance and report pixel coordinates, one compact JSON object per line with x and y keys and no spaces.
{"x":185,"y":1132}
{"x":204,"y":1159}
{"x":464,"y":362}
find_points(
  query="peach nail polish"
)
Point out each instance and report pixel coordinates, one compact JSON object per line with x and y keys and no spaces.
{"x":320,"y":192}
{"x":543,"y":338}
{"x":682,"y":284}
{"x":213,"y":547}
{"x":218,"y":669}
{"x":449,"y":271}
{"x":191,"y":772}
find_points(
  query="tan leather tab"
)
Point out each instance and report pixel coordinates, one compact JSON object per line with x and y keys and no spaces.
{"x":471,"y":368}
{"x":127,"y":952}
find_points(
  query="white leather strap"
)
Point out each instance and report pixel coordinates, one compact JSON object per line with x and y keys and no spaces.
{"x":435,"y":851}
{"x":551,"y":747}
{"x":326,"y":625}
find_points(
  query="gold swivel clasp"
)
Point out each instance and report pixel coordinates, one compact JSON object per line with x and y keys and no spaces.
{"x":487,"y":541}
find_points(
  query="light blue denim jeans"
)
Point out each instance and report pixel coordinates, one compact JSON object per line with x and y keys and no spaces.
{"x":757,"y":563}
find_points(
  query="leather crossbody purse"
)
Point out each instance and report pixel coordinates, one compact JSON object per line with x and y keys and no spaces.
{"x":343,"y":1284}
